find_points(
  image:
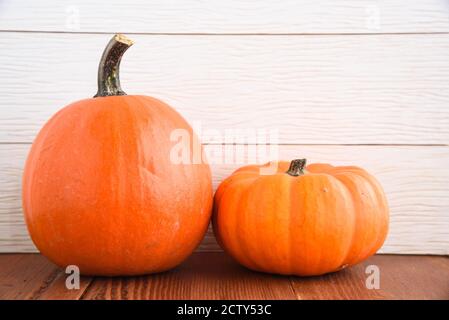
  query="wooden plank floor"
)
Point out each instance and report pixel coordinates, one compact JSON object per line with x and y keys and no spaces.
{"x":214,"y":275}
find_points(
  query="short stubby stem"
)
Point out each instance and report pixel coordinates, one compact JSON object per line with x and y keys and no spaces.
{"x":296,"y":167}
{"x":109,"y":68}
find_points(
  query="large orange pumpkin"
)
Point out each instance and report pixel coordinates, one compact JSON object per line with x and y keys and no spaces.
{"x":300,"y":221}
{"x":100,"y":190}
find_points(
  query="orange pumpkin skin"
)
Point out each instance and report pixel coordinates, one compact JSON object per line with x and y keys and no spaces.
{"x":321,"y":221}
{"x":100,"y":191}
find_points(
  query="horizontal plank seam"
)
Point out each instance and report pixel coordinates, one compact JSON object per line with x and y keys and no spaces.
{"x":230,"y":33}
{"x":295,"y":144}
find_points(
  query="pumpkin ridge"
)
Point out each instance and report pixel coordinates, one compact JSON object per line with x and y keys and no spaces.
{"x":233,"y":201}
{"x":357,"y":225}
{"x":243,"y":242}
{"x":263,"y":258}
{"x":369,"y":247}
{"x":377,"y":190}
{"x":311,"y":185}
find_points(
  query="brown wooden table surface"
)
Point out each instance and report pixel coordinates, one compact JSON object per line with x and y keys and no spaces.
{"x":213,"y":275}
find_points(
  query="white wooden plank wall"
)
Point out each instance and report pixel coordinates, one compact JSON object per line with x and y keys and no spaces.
{"x":347,"y":82}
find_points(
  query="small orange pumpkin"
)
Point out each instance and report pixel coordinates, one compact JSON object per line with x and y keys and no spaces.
{"x":100,"y":190}
{"x":300,"y":221}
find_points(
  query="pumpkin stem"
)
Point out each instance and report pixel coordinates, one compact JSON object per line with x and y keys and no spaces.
{"x":297,"y":167}
{"x":108,"y":70}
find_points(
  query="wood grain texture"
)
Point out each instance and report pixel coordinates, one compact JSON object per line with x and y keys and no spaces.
{"x":202,"y":276}
{"x":232,"y":16}
{"x":31,"y":276}
{"x":214,"y":275}
{"x":58,"y":290}
{"x":415,"y":179}
{"x":377,"y":89}
{"x":401,"y":277}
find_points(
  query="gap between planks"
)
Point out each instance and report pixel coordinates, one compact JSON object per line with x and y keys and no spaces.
{"x":293,"y":144}
{"x":233,"y":34}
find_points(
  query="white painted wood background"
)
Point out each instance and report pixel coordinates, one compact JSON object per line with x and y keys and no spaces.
{"x":347,"y":82}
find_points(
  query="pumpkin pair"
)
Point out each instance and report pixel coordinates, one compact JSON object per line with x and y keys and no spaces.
{"x":101,"y":192}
